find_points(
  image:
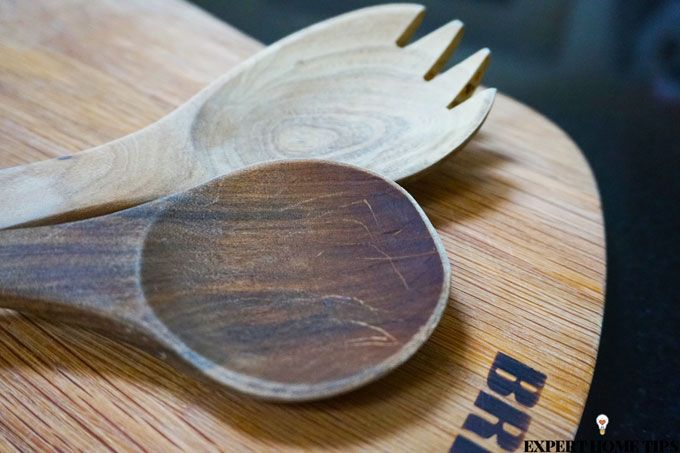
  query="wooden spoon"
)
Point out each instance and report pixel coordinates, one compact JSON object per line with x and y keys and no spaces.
{"x":347,"y":89}
{"x":291,"y":280}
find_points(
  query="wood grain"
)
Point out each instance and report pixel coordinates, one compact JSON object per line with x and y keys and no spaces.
{"x":517,"y":210}
{"x":293,"y":280}
{"x":327,"y":91}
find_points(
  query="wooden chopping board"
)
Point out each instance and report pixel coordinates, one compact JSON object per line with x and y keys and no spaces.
{"x":518,"y":211}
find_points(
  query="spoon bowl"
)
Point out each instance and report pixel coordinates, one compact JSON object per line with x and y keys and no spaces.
{"x":294,"y":280}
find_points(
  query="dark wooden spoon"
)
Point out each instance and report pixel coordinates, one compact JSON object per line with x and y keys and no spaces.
{"x":292,"y":280}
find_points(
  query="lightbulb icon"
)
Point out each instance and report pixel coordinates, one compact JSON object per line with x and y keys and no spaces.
{"x":602,"y":422}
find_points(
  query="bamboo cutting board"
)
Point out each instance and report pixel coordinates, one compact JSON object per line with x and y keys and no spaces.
{"x":517,"y":210}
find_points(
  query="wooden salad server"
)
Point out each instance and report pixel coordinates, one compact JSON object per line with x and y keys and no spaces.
{"x":349,"y":89}
{"x":291,"y":280}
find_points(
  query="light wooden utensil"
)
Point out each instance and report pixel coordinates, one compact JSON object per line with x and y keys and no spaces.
{"x":348,"y":89}
{"x":292,"y":280}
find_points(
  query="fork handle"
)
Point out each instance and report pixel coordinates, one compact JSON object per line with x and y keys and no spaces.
{"x":104,"y":179}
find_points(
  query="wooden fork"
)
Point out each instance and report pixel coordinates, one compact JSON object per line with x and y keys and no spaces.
{"x":348,"y":89}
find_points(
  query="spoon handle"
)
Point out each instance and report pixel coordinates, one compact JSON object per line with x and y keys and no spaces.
{"x":79,"y":273}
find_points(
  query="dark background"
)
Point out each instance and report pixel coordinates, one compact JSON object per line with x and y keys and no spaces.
{"x":608,"y":72}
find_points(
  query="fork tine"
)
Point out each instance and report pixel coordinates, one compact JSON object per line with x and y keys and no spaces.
{"x":469,"y":116}
{"x":477,"y":106}
{"x":461,"y":124}
{"x":463,"y":78}
{"x":383,"y":24}
{"x":438,"y":46}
